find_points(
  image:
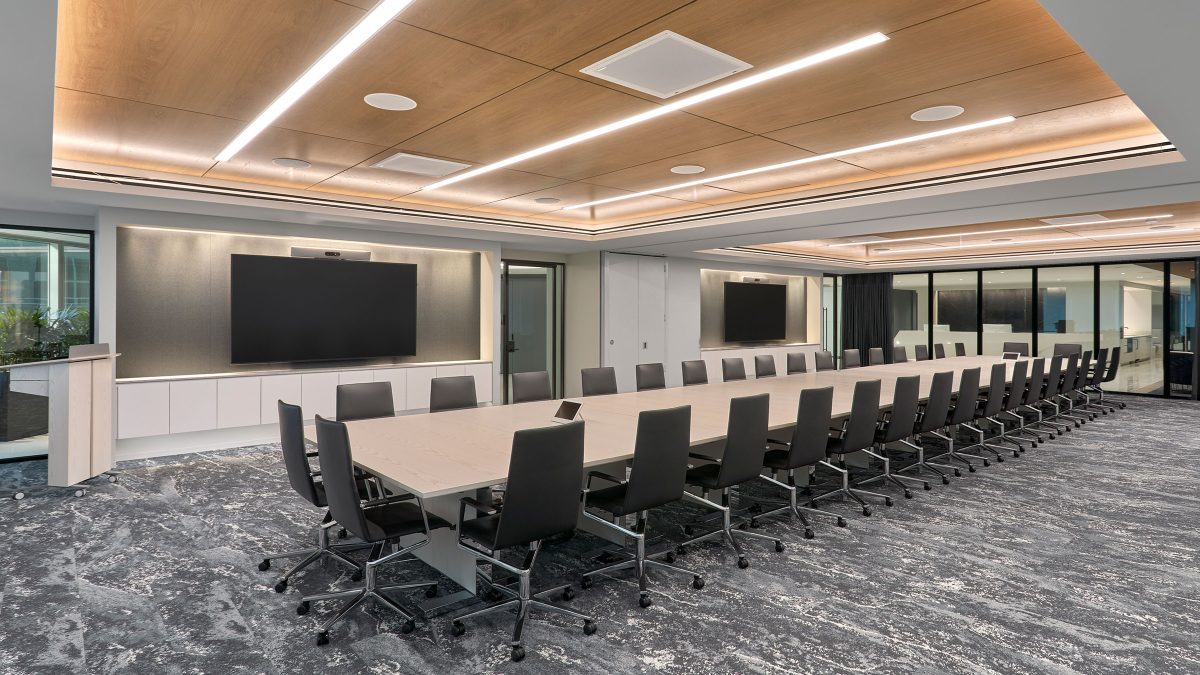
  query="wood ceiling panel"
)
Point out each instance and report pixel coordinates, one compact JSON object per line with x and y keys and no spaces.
{"x":767,"y":33}
{"x":545,"y":32}
{"x":103,"y":130}
{"x":222,"y":57}
{"x":807,"y":177}
{"x":1048,"y":86}
{"x":555,"y":106}
{"x":576,"y":193}
{"x":490,"y":187}
{"x":328,"y":156}
{"x":977,"y":42}
{"x":445,"y":77}
{"x":1101,"y":121}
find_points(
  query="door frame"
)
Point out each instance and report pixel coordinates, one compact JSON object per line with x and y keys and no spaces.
{"x":557,"y":319}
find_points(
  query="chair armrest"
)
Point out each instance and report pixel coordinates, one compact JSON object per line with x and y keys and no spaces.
{"x":392,"y":499}
{"x":313,"y":453}
{"x":696,"y":455}
{"x":605,"y":476}
{"x":475,"y":504}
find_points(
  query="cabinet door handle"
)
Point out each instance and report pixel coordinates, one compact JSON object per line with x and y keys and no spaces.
{"x":644,"y":346}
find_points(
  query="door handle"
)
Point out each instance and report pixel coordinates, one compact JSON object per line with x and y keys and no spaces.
{"x":644,"y":346}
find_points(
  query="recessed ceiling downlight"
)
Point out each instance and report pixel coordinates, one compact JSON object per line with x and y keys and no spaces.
{"x":937,"y":113}
{"x":290,"y":163}
{"x":547,"y":200}
{"x":1002,"y":240}
{"x":687,"y":169}
{"x":385,"y":101}
{"x":1163,"y":227}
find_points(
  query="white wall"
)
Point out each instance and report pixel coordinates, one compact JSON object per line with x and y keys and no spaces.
{"x":581,"y":315}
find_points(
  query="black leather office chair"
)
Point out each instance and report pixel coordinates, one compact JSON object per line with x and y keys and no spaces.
{"x":452,"y":393}
{"x":650,"y":376}
{"x":303,"y":481}
{"x":856,"y":433}
{"x":1072,"y":384}
{"x":764,"y":366}
{"x":964,"y":405}
{"x":1014,"y":397}
{"x":823,"y":361}
{"x":986,"y":409}
{"x":660,"y":462}
{"x":1033,"y":394}
{"x":598,"y":381}
{"x":931,"y":420}
{"x":851,"y":359}
{"x":376,"y":523}
{"x":740,"y":462}
{"x":1092,"y":385}
{"x":896,"y":425}
{"x":1110,"y":374}
{"x":1021,"y":348}
{"x":533,"y":386}
{"x":875,"y":356}
{"x":899,"y":354}
{"x":960,"y":349}
{"x":694,"y":372}
{"x":733,"y":368}
{"x":1049,"y":399}
{"x":796,"y":363}
{"x":1067,"y":349}
{"x":364,"y":401}
{"x":542,"y":501}
{"x":921,"y":352}
{"x":939,"y":350}
{"x":1027,"y":377}
{"x":803,"y":451}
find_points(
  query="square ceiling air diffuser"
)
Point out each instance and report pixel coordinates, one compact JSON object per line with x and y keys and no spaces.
{"x":665,"y":65}
{"x":422,"y":166}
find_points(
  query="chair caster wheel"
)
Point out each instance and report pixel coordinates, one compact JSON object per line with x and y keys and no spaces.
{"x":584,"y":583}
{"x":907,"y":495}
{"x":1017,"y":453}
{"x":80,"y":492}
{"x":808,"y":533}
{"x":743,"y":563}
{"x":841,"y":522}
{"x":518,"y":653}
{"x":866,"y":510}
{"x":669,"y":557}
{"x":589,"y":626}
{"x":755,"y":508}
{"x":689,"y":530}
{"x":754,"y":523}
{"x":568,"y":594}
{"x":778,"y":546}
{"x":112,"y":479}
{"x":926,"y":485}
{"x":408,"y":627}
{"x":457,"y":629}
{"x":432,"y":591}
{"x":322,"y":638}
{"x":887,"y":501}
{"x":986,"y":463}
{"x":971,"y":469}
{"x":264,"y":565}
{"x":19,"y":496}
{"x":680,"y":550}
{"x":945,"y":480}
{"x":342,"y":533}
{"x":697,"y":582}
{"x":493,"y":595}
{"x":645,"y":601}
{"x":302,"y":608}
{"x":280,"y":586}
{"x":742,"y":526}
{"x":357,"y":575}
{"x":957,"y":474}
{"x":999,"y":459}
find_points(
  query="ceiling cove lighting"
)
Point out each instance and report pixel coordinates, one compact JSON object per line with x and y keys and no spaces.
{"x":1009,"y":229}
{"x":1030,"y":242}
{"x":364,"y":30}
{"x":707,"y":95}
{"x":806,"y":160}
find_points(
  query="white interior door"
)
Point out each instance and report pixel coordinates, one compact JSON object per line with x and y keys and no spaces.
{"x":620,"y":344}
{"x":652,"y":310}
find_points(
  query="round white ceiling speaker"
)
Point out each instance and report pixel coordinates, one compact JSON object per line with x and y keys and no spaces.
{"x":547,"y":200}
{"x":290,"y":163}
{"x":687,"y":168}
{"x":937,"y":113}
{"x":385,"y":101}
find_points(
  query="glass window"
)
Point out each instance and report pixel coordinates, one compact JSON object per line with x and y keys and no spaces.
{"x":1066,"y":308}
{"x":1007,"y":309}
{"x":910,"y":311}
{"x":1131,"y":304}
{"x":956,"y":310}
{"x":1181,"y":338}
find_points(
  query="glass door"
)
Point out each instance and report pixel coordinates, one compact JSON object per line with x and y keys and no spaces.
{"x":531,"y":321}
{"x":1181,"y":336}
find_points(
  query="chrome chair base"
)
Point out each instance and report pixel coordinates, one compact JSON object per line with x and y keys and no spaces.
{"x":851,"y":492}
{"x":793,"y":507}
{"x":640,"y":562}
{"x":312,"y":555}
{"x":888,"y":477}
{"x":726,"y":530}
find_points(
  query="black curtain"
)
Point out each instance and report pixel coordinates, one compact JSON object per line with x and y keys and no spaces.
{"x":867,"y":313}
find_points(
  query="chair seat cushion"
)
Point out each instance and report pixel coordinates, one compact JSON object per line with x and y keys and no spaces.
{"x":704,"y":476}
{"x":482,"y":529}
{"x":398,"y":519}
{"x":611,"y":499}
{"x":777,"y":459}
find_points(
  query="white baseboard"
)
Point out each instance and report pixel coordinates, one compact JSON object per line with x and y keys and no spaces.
{"x":197,"y":441}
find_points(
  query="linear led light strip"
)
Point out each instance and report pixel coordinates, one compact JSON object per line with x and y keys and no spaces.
{"x":364,"y":30}
{"x":1031,"y":242}
{"x":798,"y":162}
{"x":1007,"y":229}
{"x":707,"y":95}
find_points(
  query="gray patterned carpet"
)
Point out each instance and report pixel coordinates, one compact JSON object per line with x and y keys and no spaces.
{"x":1080,"y":557}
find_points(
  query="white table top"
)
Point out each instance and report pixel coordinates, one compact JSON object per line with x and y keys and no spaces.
{"x":456,"y":451}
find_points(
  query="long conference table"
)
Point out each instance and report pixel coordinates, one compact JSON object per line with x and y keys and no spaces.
{"x":443,"y":456}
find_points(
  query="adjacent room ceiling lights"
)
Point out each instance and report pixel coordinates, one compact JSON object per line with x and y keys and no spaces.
{"x":707,"y":95}
{"x":364,"y":30}
{"x":798,"y":162}
{"x":1049,"y":240}
{"x":1008,"y":229}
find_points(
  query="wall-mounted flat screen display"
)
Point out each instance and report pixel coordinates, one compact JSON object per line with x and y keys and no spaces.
{"x":309,"y":309}
{"x":755,"y":312}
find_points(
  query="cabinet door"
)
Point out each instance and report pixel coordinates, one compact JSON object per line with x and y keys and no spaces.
{"x":652,"y":310}
{"x":621,"y":343}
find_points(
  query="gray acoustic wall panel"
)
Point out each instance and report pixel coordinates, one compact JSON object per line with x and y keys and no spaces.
{"x":173,"y":301}
{"x":712,"y":306}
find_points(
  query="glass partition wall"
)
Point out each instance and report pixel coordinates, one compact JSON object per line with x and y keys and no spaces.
{"x":1146,"y":310}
